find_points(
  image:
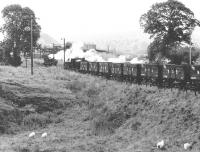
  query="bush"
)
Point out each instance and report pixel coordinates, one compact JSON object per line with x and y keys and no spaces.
{"x":101,"y":126}
{"x":53,"y":116}
{"x":15,"y":60}
{"x":105,"y":124}
{"x":22,"y":149}
{"x":10,"y":121}
{"x":93,"y":91}
{"x":35,"y":120}
{"x":76,"y":85}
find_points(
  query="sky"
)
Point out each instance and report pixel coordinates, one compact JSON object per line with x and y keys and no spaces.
{"x":87,"y":19}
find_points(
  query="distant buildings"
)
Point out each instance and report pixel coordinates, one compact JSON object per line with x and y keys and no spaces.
{"x":88,"y":46}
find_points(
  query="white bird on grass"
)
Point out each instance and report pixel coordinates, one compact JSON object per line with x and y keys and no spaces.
{"x":31,"y":135}
{"x":193,"y":68}
{"x":44,"y":135}
{"x":160,"y":144}
{"x":188,"y":145}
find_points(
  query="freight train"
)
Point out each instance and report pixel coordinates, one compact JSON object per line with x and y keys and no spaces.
{"x":185,"y":77}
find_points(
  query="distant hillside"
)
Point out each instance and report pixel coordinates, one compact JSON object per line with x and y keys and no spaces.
{"x":46,"y":40}
{"x":123,"y":43}
{"x":134,"y":42}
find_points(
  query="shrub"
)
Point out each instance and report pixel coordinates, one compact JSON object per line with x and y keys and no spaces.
{"x":15,"y":60}
{"x":93,"y":91}
{"x":10,"y":121}
{"x":52,"y":117}
{"x":76,"y":85}
{"x":105,"y":124}
{"x":34,"y":121}
{"x":101,"y":126}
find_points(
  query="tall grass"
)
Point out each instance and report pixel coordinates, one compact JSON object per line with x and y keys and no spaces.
{"x":133,"y":116}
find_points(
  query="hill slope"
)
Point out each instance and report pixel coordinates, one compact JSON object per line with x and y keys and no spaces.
{"x":86,"y":113}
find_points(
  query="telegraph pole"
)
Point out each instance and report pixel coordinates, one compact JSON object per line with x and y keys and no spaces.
{"x":31,"y":31}
{"x":31,"y":45}
{"x":53,"y":50}
{"x":190,"y":53}
{"x":64,"y":50}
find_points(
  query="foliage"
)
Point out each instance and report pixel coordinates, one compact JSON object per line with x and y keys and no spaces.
{"x":106,"y":123}
{"x":138,"y":116}
{"x":170,"y":24}
{"x":36,"y":120}
{"x":68,"y":45}
{"x":17,"y":32}
{"x":154,"y":50}
{"x":178,"y":54}
{"x":181,"y":55}
{"x":76,"y":85}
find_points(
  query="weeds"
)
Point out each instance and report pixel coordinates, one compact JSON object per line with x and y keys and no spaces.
{"x":10,"y":121}
{"x":101,"y":126}
{"x":136,"y":114}
{"x":106,"y":123}
{"x":34,"y":121}
{"x":76,"y":85}
{"x":35,"y":148}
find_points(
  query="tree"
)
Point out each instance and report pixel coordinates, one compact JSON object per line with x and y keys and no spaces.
{"x":17,"y":32}
{"x":170,"y":24}
{"x":154,"y":50}
{"x":181,"y":54}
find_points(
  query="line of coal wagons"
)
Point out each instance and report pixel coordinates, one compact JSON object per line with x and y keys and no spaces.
{"x":185,"y":76}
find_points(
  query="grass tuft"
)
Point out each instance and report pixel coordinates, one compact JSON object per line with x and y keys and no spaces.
{"x":34,"y":121}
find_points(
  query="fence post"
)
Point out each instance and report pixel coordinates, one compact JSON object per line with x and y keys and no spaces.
{"x":97,"y":68}
{"x":138,"y":79}
{"x":122,"y":70}
{"x":160,"y":76}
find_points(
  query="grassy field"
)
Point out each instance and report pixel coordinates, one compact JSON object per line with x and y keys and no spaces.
{"x":86,"y":113}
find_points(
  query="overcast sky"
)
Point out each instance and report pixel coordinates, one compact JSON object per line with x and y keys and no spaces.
{"x":76,"y":19}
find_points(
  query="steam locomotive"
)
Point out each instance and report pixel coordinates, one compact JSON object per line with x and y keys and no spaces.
{"x":185,"y":77}
{"x":49,"y":62}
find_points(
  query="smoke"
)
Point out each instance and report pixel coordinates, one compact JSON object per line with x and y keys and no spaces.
{"x":91,"y":55}
{"x":120,"y":59}
{"x":137,"y":61}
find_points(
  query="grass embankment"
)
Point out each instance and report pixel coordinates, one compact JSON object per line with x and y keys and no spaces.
{"x":87,"y":113}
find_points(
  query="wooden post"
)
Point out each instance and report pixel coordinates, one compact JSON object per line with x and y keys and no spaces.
{"x":31,"y":46}
{"x":64,"y":50}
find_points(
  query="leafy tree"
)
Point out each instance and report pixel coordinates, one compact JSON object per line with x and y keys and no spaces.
{"x":154,"y":50}
{"x":17,"y":32}
{"x":169,"y":24}
{"x":181,"y":54}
